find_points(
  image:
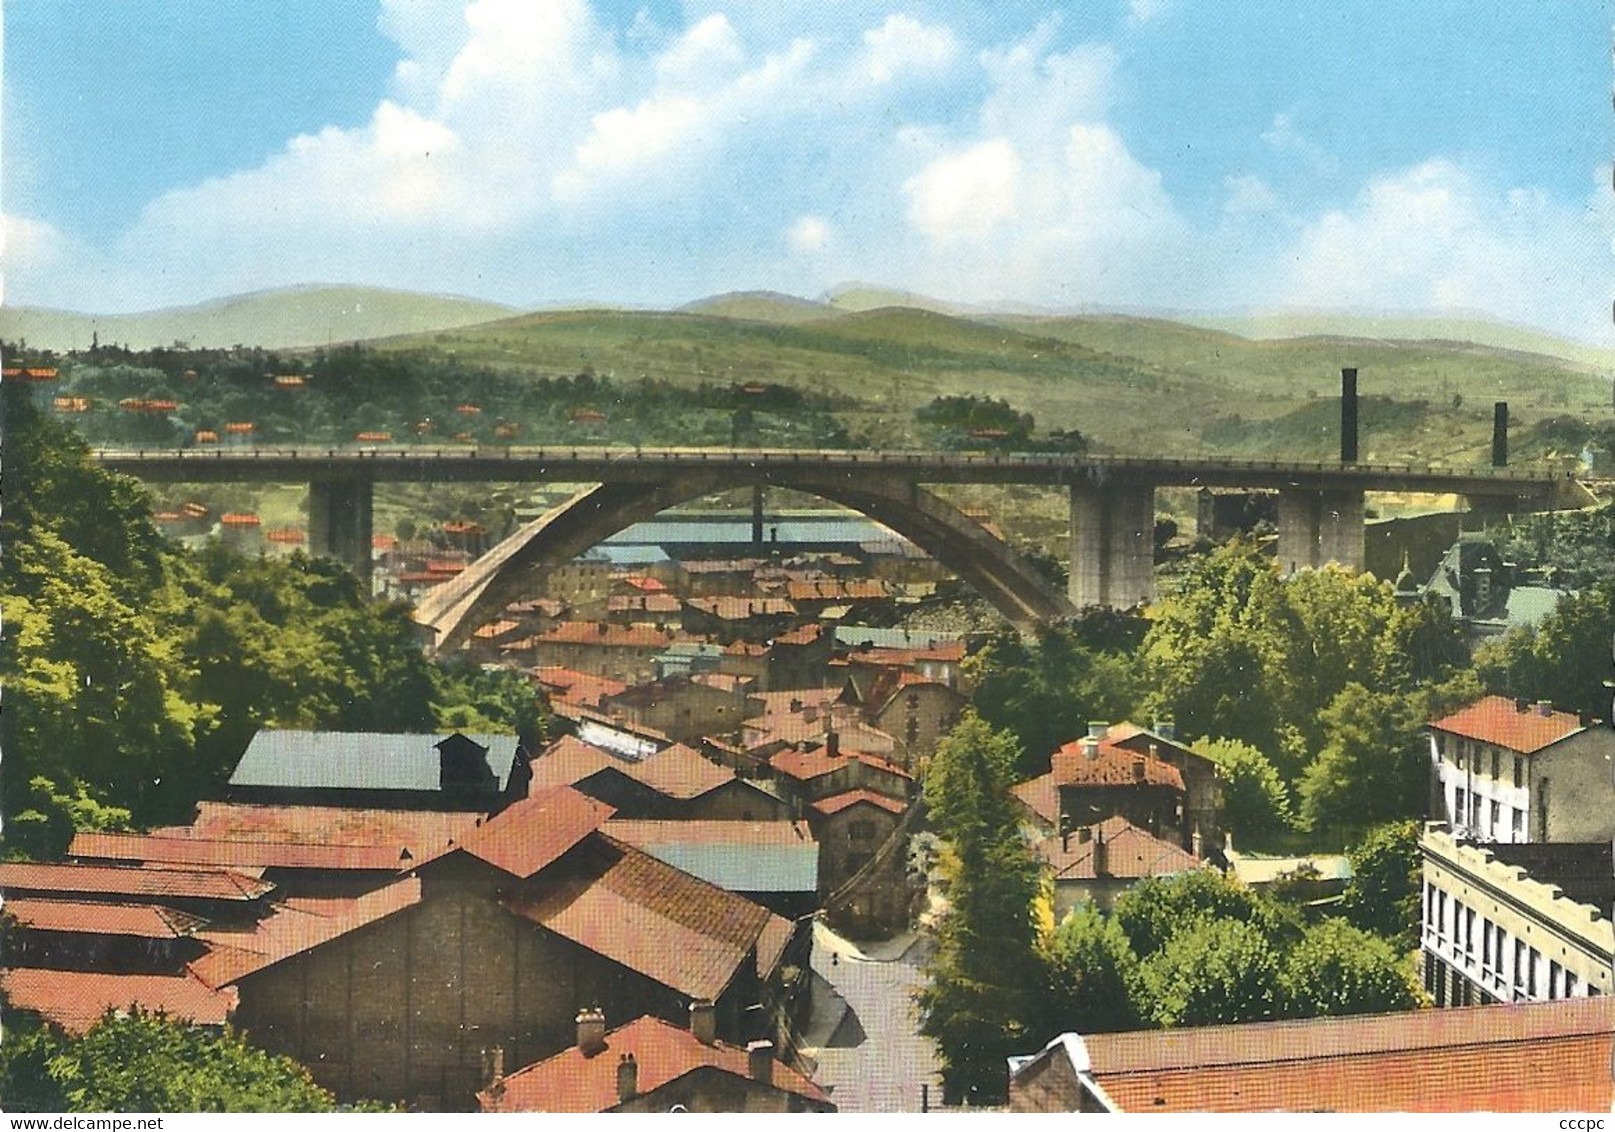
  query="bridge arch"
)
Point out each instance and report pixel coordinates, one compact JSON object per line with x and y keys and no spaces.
{"x":455,"y":609}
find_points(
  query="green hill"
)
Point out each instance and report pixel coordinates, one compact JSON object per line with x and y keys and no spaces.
{"x":303,"y":316}
{"x":760,"y":306}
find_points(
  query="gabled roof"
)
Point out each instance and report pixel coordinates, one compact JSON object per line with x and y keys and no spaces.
{"x":1131,"y":853}
{"x":681,"y":772}
{"x":1130,"y":736}
{"x":835,"y":803}
{"x":573,"y":1081}
{"x":1111,"y":766}
{"x":84,"y":917}
{"x":532,"y":833}
{"x":1499,"y":721}
{"x":577,"y":687}
{"x":570,"y":760}
{"x":801,"y":764}
{"x":76,"y":1000}
{"x":126,"y":880}
{"x":240,"y":855}
{"x":1521,"y":1057}
{"x":1041,"y":796}
{"x":331,"y":825}
{"x":357,"y":760}
{"x":740,"y":856}
{"x":647,"y":916}
{"x":294,"y":929}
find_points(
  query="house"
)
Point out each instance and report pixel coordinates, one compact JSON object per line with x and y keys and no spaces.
{"x":677,"y":782}
{"x":863,"y":862}
{"x":1549,"y":1057}
{"x":1094,"y":778}
{"x":773,"y":863}
{"x":619,"y":652}
{"x":798,"y":658}
{"x":368,"y":769}
{"x":566,"y":685}
{"x":820,"y":770}
{"x":1095,"y":864}
{"x":915,"y":710}
{"x":1515,"y":921}
{"x":682,"y":707}
{"x":651,"y":1065}
{"x":1507,"y":770}
{"x":1202,"y":793}
{"x":728,"y":619}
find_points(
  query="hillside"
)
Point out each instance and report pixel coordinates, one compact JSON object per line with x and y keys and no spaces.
{"x":760,"y":306}
{"x":304,"y":316}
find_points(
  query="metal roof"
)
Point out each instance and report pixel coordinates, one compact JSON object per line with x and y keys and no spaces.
{"x":358,"y":760}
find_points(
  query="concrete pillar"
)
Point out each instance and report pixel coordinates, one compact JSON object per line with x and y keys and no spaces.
{"x":1298,"y":530}
{"x":1340,"y":528}
{"x":340,"y":524}
{"x":1112,"y":545}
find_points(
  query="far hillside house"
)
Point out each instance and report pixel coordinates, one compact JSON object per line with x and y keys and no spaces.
{"x":367,"y":769}
{"x":1552,"y":1057}
{"x":1511,"y":770}
{"x":624,"y":653}
{"x":1488,"y":596}
{"x":653,"y":1066}
{"x":1096,"y":864}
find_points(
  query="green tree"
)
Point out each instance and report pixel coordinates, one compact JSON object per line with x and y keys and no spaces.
{"x":1372,"y":767}
{"x":1338,"y":969}
{"x":1383,"y":893}
{"x":148,"y":1063}
{"x":976,"y":1001}
{"x":1256,"y":803}
{"x":1213,"y":971}
{"x":1564,"y":659}
{"x":1155,"y":909}
{"x":1089,"y":977}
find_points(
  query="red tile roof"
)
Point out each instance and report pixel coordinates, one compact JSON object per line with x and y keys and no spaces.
{"x":577,"y":687}
{"x":1541,"y":1057}
{"x":1112,"y":766}
{"x":604,"y":634}
{"x":681,"y":772}
{"x":145,"y":921}
{"x":1496,"y":720}
{"x":1041,"y":796}
{"x":534,"y":832}
{"x":641,"y":832}
{"x":801,"y":635}
{"x":835,"y":803}
{"x":631,"y":908}
{"x":740,"y":608}
{"x":496,"y":629}
{"x":125,"y":880}
{"x":76,"y":1000}
{"x":574,"y":1082}
{"x":234,"y":853}
{"x":294,"y":929}
{"x":806,"y":764}
{"x":646,"y":585}
{"x":643,"y":603}
{"x":1131,"y":853}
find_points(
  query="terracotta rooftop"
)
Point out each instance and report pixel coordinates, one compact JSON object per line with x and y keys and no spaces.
{"x":624,"y":904}
{"x":605,"y":635}
{"x":1041,"y":796}
{"x":578,"y":687}
{"x":238,"y":855}
{"x":681,"y":772}
{"x":806,"y":764}
{"x":801,"y":635}
{"x":331,"y":825}
{"x":1541,"y":1057}
{"x":570,"y":760}
{"x":740,"y":608}
{"x":294,"y":929}
{"x":835,"y":803}
{"x":76,"y":1000}
{"x":144,"y":921}
{"x":1112,"y":766}
{"x":1131,"y":853}
{"x":1498,"y":720}
{"x":572,"y":1081}
{"x":641,"y":832}
{"x":532,"y":833}
{"x":125,"y":880}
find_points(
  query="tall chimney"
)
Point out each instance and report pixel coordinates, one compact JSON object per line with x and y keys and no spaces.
{"x":1101,"y":855}
{"x":1097,"y":728}
{"x":1090,"y":748}
{"x":1499,"y":434}
{"x":1348,"y":416}
{"x":760,"y":1062}
{"x":591,"y":1022}
{"x":1138,"y":768}
{"x":1544,"y":708}
{"x":704,"y":1022}
{"x":627,"y":1078}
{"x":1166,"y":729}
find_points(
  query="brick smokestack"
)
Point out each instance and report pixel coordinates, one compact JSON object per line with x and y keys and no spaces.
{"x":1500,"y":434}
{"x":1348,"y":416}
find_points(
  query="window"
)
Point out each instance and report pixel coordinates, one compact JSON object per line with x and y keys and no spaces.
{"x":1497,"y":818}
{"x":1519,"y":825}
{"x":1469,"y":932}
{"x":1486,"y":945}
{"x":1474,"y":811}
{"x":1441,"y":913}
{"x":1519,"y":770}
{"x":1460,"y":804}
{"x":1441,"y":744}
{"x":1458,"y":752}
{"x":1572,"y":984}
{"x":1555,"y":974}
{"x":1497,"y":765}
{"x":1533,"y":961}
{"x":1520,"y":961}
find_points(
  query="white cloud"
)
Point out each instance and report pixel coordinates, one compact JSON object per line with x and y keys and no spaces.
{"x":809,"y":234}
{"x":1146,"y":11}
{"x":1249,"y":195}
{"x":964,"y":196}
{"x":903,"y":44}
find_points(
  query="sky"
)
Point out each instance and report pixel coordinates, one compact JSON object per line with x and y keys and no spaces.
{"x":1154,"y":155}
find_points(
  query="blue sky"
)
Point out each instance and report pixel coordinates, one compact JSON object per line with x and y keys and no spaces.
{"x":1124,"y":154}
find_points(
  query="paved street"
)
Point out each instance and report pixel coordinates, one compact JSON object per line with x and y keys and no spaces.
{"x":865,"y":1028}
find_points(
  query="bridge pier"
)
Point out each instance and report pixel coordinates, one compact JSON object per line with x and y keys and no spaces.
{"x":1316,"y":527}
{"x":1112,"y":545}
{"x":340,"y":523}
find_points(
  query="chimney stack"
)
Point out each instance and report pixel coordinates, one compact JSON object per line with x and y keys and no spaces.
{"x":1101,"y":855}
{"x":591,"y":1022}
{"x":1166,"y":729}
{"x":627,"y":1078}
{"x":760,"y":1062}
{"x":832,"y":743}
{"x":493,"y":1071}
{"x":1097,"y":728}
{"x":1544,"y":708}
{"x":1090,"y":748}
{"x":1084,"y":835}
{"x":704,"y":1022}
{"x":1499,"y":434}
{"x":1348,"y":416}
{"x":1138,"y":768}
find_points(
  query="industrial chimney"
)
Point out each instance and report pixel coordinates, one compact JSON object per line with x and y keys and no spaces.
{"x":1348,"y":416}
{"x":1500,"y":434}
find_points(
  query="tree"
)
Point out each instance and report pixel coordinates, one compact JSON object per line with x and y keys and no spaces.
{"x":1383,"y":893}
{"x":977,"y":998}
{"x":1155,"y":909}
{"x":1372,"y":767}
{"x":1338,"y":969}
{"x":1564,"y":659}
{"x":1089,"y":977}
{"x":148,"y":1063}
{"x":1213,"y":971}
{"x":1256,"y":803}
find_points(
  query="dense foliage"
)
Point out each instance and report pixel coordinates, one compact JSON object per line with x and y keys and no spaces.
{"x":147,"y":1063}
{"x":1255,"y":800}
{"x":979,"y":998}
{"x":1383,"y":893}
{"x":1564,"y":659}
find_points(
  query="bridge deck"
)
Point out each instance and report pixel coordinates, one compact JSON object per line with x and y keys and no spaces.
{"x":618,"y":465}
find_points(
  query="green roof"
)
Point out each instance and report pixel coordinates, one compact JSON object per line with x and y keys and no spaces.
{"x":359,"y":760}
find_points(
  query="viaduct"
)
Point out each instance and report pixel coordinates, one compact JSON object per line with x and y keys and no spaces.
{"x":1112,"y":508}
